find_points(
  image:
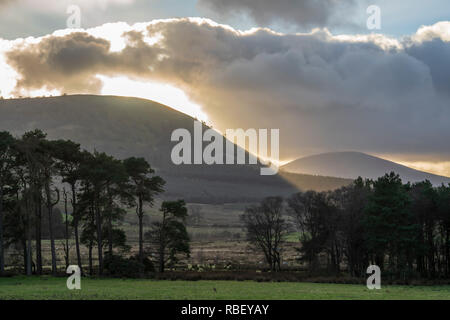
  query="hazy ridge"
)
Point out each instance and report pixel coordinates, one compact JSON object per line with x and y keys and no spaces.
{"x":126,"y":127}
{"x":350,"y":165}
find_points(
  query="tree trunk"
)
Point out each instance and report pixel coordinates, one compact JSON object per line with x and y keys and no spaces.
{"x":66,"y":234}
{"x":161,"y":259}
{"x":50,"y":227}
{"x":2,"y":253}
{"x":277,"y":259}
{"x":52,"y":241}
{"x":91,"y":271}
{"x":29,"y":256}
{"x":268,"y":257}
{"x":162,"y":247}
{"x":141,"y":240}
{"x":28,"y":253}
{"x":110,"y":236}
{"x":25,"y":262}
{"x":75,"y":226}
{"x":77,"y":244}
{"x":431,"y":261}
{"x":38,"y":213}
{"x":447,"y":250}
{"x":99,"y":240}
{"x":141,"y":232}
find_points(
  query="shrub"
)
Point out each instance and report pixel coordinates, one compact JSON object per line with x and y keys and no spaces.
{"x":148,"y":264}
{"x":118,"y":266}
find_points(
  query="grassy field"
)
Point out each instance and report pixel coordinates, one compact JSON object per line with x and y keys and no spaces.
{"x":92,"y":289}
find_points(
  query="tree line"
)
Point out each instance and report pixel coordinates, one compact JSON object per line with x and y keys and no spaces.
{"x":95,"y":190}
{"x":402,"y":228}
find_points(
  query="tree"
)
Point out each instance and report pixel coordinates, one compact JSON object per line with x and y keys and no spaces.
{"x":308,"y":210}
{"x":69,"y":160}
{"x":104,"y":189}
{"x":266,"y":229}
{"x":31,"y":149}
{"x":443,"y":223}
{"x":168,"y":237}
{"x":31,"y":171}
{"x":389,"y":224}
{"x":95,"y":178}
{"x":66,"y":245}
{"x":352,"y":201}
{"x":6,"y":163}
{"x":119,"y":239}
{"x":48,"y":172}
{"x":115,"y":194}
{"x":16,"y":229}
{"x":87,"y":236}
{"x":143,"y":188}
{"x":21,"y":220}
{"x":424,"y":207}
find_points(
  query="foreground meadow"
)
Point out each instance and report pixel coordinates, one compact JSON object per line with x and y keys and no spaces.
{"x":110,"y":289}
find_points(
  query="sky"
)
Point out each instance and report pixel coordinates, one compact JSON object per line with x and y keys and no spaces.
{"x":311,"y":68}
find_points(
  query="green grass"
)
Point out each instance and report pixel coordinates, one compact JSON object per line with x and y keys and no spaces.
{"x":55,"y":288}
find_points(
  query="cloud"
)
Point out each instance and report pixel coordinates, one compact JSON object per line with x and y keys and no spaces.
{"x":70,"y":63}
{"x":367,"y":93}
{"x":304,"y":13}
{"x":45,"y":5}
{"x":22,"y":18}
{"x":4,"y":3}
{"x":440,"y":30}
{"x":431,"y":45}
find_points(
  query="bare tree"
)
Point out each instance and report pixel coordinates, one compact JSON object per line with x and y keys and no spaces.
{"x":266,"y":229}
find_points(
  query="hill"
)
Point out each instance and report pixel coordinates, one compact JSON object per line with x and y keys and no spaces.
{"x":350,"y":165}
{"x":126,"y":127}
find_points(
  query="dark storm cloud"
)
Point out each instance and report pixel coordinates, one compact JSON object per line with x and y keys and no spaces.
{"x":435,"y":53}
{"x":70,"y":63}
{"x":306,"y":13}
{"x":367,"y":93}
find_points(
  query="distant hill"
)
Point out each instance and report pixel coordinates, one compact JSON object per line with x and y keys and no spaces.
{"x":126,"y":127}
{"x":350,"y":165}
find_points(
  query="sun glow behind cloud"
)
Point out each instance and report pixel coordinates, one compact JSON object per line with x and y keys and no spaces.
{"x":170,"y":61}
{"x":158,"y":92}
{"x":439,"y":168}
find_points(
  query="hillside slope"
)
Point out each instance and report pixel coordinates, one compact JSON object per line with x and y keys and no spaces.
{"x":350,"y":165}
{"x":127,"y":127}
